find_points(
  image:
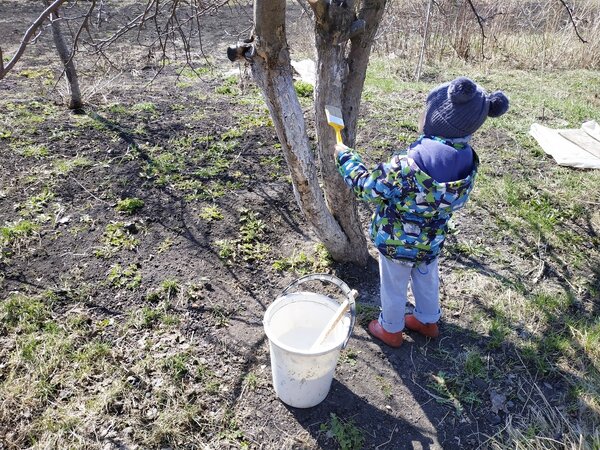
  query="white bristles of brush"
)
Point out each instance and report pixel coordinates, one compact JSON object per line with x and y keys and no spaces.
{"x":334,"y":115}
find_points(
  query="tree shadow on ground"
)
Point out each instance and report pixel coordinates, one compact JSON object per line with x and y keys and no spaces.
{"x":533,"y":369}
{"x":379,"y":428}
{"x":511,"y":390}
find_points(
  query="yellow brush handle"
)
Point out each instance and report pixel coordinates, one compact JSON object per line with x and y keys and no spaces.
{"x":338,"y":135}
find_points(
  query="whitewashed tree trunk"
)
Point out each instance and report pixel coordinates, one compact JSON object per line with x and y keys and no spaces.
{"x":343,"y":41}
{"x":64,"y":53}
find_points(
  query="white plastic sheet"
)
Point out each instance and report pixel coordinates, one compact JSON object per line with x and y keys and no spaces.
{"x":571,"y":147}
{"x":306,"y":70}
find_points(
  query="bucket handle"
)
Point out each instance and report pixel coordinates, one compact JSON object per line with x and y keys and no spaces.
{"x":350,"y":293}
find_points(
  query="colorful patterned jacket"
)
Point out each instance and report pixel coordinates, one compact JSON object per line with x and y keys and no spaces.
{"x":412,"y":210}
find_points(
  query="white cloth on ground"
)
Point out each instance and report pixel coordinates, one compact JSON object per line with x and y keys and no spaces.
{"x":571,"y":147}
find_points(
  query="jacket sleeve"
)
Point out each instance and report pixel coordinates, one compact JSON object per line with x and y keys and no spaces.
{"x":375,"y":185}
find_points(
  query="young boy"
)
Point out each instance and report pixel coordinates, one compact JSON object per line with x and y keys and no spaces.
{"x":415,"y":193}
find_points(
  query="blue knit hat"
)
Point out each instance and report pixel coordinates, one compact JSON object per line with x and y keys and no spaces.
{"x":459,"y":108}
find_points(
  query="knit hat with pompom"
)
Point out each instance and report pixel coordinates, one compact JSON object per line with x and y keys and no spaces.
{"x":458,"y":108}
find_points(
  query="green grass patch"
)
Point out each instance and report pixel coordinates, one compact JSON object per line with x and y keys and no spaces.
{"x":34,"y":151}
{"x":145,"y":107}
{"x":164,"y":245}
{"x":166,"y":292}
{"x":385,"y":385}
{"x":128,"y":277}
{"x":453,"y":390}
{"x":497,"y":331}
{"x":303,"y":89}
{"x":474,"y":365}
{"x":16,"y":236}
{"x":36,"y":73}
{"x":148,"y":317}
{"x":64,"y":375}
{"x":366,"y":313}
{"x":117,"y":236}
{"x":36,"y":204}
{"x":345,"y":432}
{"x":192,"y":73}
{"x":248,"y":246}
{"x":211,"y":213}
{"x":228,"y":87}
{"x":66,"y":166}
{"x":177,"y":366}
{"x":302,"y":264}
{"x":349,"y":357}
{"x":130,"y":205}
{"x":23,"y":312}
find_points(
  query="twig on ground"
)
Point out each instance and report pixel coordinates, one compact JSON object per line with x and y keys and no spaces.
{"x":85,"y":189}
{"x":431,"y":394}
{"x":390,"y":439}
{"x":443,"y":418}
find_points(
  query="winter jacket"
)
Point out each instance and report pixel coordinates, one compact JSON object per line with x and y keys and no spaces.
{"x":412,"y":209}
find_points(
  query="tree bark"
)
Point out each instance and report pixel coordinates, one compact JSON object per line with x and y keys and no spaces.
{"x":272,"y":71}
{"x":330,"y":210}
{"x":340,"y":81}
{"x":75,"y":101}
{"x":332,"y":71}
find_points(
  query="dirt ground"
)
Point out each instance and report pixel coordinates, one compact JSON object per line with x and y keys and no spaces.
{"x":184,"y":144}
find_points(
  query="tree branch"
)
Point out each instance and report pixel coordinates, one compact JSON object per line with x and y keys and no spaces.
{"x":567,"y":7}
{"x":84,"y":24}
{"x":27,"y":37}
{"x":480,"y":22}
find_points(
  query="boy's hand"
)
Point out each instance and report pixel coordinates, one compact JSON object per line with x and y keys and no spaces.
{"x":339,"y":148}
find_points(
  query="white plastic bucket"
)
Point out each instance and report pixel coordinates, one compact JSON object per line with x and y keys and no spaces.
{"x":301,"y":376}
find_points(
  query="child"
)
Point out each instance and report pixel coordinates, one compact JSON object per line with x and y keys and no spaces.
{"x":415,"y":193}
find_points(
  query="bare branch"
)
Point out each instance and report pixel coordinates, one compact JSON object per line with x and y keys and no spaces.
{"x":174,"y":24}
{"x":480,"y":22}
{"x":27,"y":37}
{"x":86,"y":18}
{"x":568,"y":8}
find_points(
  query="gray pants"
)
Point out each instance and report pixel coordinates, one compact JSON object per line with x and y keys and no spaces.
{"x":394,"y":279}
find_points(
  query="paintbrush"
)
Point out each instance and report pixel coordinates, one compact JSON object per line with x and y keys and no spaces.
{"x":335,"y":319}
{"x":335,"y":119}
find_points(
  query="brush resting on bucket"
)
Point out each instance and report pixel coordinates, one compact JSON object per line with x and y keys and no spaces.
{"x":302,"y":376}
{"x":341,"y":311}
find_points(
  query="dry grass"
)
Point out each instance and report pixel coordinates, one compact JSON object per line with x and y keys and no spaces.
{"x":531,"y":35}
{"x":72,"y":383}
{"x":543,"y":426}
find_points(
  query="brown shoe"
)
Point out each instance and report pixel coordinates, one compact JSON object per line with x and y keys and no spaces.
{"x":391,"y":339}
{"x":430,"y":329}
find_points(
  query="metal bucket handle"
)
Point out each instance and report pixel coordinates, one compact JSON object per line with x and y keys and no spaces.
{"x":350,"y":293}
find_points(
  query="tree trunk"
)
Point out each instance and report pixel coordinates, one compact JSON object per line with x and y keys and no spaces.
{"x":272,"y":71}
{"x":68,"y":63}
{"x":340,"y":81}
{"x":331,"y":211}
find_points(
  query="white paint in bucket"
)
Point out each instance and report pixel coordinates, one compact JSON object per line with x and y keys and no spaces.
{"x":302,"y":377}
